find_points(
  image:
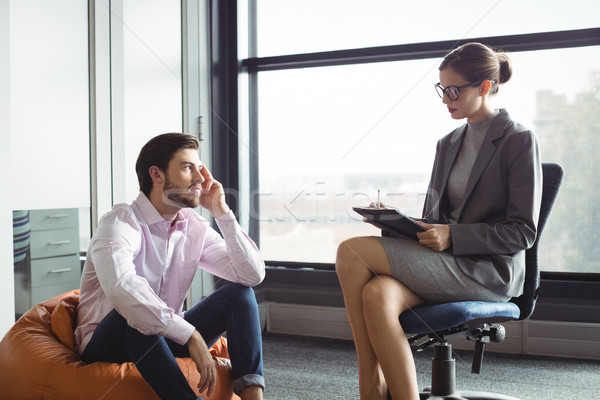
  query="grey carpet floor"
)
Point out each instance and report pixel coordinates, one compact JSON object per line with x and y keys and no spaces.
{"x":298,"y":368}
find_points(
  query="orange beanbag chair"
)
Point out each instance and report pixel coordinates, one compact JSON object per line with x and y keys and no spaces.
{"x":38,"y":361}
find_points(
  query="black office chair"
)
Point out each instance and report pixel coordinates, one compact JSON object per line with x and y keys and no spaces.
{"x":477,"y":320}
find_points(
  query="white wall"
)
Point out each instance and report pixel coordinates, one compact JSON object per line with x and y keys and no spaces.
{"x":49,"y":104}
{"x":7,"y":307}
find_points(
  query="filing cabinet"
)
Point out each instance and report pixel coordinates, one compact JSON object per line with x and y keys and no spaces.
{"x":52,"y":264}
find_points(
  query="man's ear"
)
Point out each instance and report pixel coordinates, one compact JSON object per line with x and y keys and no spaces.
{"x":156,"y":174}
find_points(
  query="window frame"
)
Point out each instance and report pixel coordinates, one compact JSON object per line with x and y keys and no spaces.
{"x":416,"y":51}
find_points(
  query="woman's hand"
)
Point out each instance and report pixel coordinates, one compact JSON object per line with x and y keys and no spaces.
{"x":436,"y":237}
{"x":205,"y":364}
{"x":379,"y":206}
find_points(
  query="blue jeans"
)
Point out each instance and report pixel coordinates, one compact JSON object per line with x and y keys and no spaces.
{"x":230,"y":309}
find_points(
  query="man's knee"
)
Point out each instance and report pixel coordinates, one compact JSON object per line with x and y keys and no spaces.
{"x":240,"y":293}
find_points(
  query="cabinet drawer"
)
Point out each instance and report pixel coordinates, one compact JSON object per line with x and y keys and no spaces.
{"x":44,"y":293}
{"x":54,"y":243}
{"x":54,"y":219}
{"x":49,"y":271}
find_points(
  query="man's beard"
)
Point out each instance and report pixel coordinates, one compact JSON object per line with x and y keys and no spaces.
{"x":180,"y":197}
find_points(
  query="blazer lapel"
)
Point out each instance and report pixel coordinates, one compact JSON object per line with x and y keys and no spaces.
{"x":486,"y":152}
{"x":432,"y":210}
{"x":451,"y":154}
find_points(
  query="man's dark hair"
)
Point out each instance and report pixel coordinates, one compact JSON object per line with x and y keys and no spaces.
{"x":159,"y":152}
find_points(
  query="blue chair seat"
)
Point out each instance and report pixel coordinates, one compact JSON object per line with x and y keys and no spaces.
{"x":438,"y":317}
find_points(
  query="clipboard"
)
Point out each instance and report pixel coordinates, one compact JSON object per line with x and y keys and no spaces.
{"x":391,"y":220}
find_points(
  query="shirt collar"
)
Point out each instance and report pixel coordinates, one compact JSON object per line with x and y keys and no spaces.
{"x":179,"y":217}
{"x":180,"y":221}
{"x":151,"y":214}
{"x":147,"y":209}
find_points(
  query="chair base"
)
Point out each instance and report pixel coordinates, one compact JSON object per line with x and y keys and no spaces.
{"x":443,"y":379}
{"x":466,"y":396}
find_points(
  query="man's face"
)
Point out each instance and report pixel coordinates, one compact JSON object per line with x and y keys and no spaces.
{"x":183,"y":179}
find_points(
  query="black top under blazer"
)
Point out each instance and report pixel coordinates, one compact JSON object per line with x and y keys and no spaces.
{"x":500,"y":209}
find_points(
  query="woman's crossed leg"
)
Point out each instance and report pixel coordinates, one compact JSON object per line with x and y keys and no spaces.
{"x":373,"y":301}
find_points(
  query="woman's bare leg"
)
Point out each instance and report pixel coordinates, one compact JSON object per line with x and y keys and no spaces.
{"x":384,"y":299}
{"x":358,"y":261}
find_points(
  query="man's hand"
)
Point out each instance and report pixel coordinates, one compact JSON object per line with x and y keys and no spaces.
{"x":437,"y":237}
{"x":205,"y":364}
{"x":213,"y":195}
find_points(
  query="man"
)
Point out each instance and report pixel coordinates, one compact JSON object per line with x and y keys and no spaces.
{"x":139,"y":268}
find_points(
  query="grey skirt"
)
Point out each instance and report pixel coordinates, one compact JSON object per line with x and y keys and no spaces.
{"x":434,"y":276}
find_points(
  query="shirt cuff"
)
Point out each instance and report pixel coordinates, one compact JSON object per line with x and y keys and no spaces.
{"x":227,"y":222}
{"x":180,"y":331}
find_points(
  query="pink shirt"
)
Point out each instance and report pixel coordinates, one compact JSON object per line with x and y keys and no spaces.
{"x":140,"y":265}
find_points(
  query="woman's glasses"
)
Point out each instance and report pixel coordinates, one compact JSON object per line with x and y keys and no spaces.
{"x":452,"y":92}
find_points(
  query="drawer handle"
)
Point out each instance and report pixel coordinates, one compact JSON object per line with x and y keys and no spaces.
{"x":59,"y":215}
{"x":58,"y":271}
{"x":59,"y":242}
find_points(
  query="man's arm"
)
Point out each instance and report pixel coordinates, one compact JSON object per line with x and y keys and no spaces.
{"x":234,"y":257}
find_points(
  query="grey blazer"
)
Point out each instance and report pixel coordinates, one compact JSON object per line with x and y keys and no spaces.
{"x":500,"y":210}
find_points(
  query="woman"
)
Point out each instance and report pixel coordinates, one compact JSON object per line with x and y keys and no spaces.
{"x":480,"y":216}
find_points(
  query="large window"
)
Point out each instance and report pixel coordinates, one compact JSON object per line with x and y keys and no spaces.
{"x":331,"y":137}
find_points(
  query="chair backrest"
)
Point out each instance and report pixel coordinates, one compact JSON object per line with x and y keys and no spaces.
{"x":552,"y":179}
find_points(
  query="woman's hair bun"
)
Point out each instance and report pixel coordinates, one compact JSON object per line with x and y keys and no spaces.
{"x":477,"y":62}
{"x":505,"y":67}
